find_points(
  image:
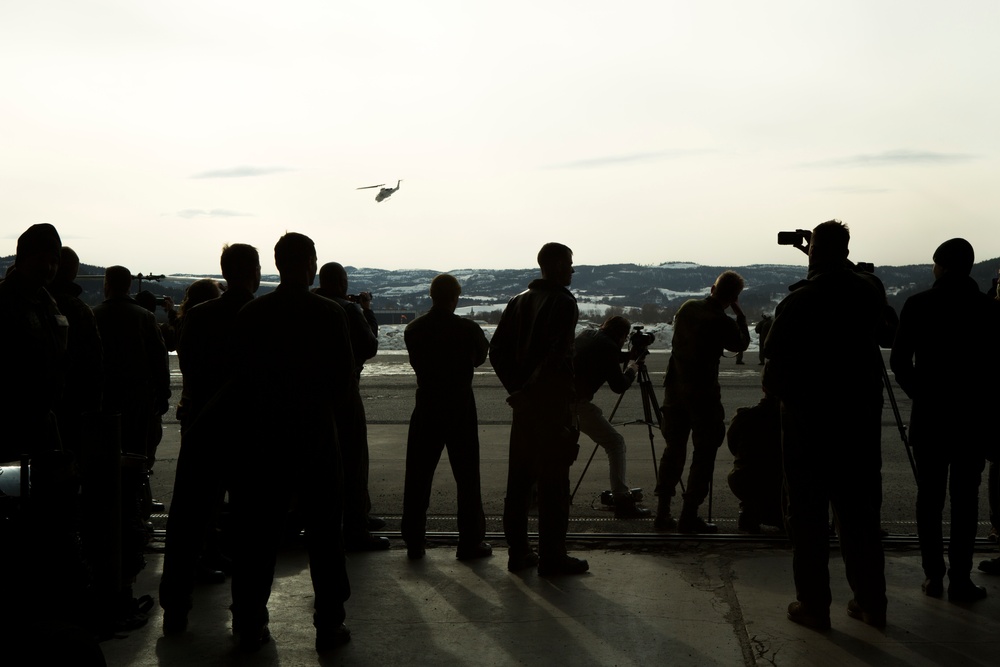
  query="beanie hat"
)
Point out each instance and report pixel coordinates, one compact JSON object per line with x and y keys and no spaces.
{"x":38,"y":238}
{"x":955,"y":255}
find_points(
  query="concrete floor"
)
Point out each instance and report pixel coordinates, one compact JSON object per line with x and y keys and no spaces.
{"x":667,"y":603}
{"x":687,"y":603}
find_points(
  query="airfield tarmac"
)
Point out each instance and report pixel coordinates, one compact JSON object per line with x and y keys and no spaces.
{"x":388,"y":386}
{"x":650,"y":598}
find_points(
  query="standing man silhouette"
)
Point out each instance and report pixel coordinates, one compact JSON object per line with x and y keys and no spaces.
{"x":296,"y":376}
{"x":692,"y":401}
{"x":444,"y":350}
{"x":532,"y":354}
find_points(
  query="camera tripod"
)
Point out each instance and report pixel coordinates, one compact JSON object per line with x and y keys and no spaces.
{"x":650,"y":410}
{"x":899,"y":419}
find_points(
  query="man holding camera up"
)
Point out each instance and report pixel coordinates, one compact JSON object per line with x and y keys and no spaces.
{"x":692,"y":404}
{"x":597,"y":360}
{"x":363,"y":330}
{"x":831,"y":423}
{"x":361,"y":322}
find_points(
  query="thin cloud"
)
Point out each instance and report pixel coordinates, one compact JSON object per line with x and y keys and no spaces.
{"x":893,"y":158}
{"x":214,"y":213}
{"x":241,"y":172}
{"x":855,"y":190}
{"x":624,"y":160}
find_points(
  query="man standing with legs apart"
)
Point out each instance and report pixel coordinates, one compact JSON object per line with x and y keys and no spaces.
{"x":295,"y":378}
{"x":444,"y":349}
{"x":532,"y":354}
{"x":831,"y":421}
{"x":938,"y":360}
{"x":692,"y":402}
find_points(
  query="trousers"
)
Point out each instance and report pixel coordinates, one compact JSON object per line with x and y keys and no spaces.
{"x":834,"y":457}
{"x":702,"y":419}
{"x":539,"y":455}
{"x":434,"y":427}
{"x":313,"y":481}
{"x":950,"y":461}
{"x":597,"y":428}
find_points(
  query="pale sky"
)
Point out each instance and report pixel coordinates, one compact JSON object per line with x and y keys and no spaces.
{"x":151,"y":133}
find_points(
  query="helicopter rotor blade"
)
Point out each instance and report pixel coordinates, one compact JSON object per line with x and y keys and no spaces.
{"x":368,"y":187}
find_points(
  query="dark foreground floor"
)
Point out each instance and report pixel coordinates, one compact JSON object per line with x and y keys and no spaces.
{"x":680,"y":603}
{"x":684,"y":604}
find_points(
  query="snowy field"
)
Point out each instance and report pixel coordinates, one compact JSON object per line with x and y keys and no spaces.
{"x":392,"y":350}
{"x":390,"y":336}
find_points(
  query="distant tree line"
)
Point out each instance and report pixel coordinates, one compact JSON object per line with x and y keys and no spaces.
{"x":766,"y":287}
{"x":755,"y":305}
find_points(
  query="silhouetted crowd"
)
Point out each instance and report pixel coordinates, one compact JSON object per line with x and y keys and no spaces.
{"x":276,"y":378}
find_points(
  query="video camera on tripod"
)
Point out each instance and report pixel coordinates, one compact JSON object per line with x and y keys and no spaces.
{"x":638,"y":347}
{"x":639,"y":342}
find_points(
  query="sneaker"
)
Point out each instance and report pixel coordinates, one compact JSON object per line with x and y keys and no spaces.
{"x":695,"y":525}
{"x":876,"y":620}
{"x":964,"y":590}
{"x":664,"y":522}
{"x":565,"y":565}
{"x":415,"y":552}
{"x":933,"y":587}
{"x":474,"y":551}
{"x":798,"y":613}
{"x":991,"y":566}
{"x":521,"y":561}
{"x":328,"y":639}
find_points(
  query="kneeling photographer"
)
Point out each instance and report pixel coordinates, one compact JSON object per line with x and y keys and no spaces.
{"x":597,"y":359}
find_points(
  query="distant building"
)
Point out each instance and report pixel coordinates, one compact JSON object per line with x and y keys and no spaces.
{"x":391,"y":316}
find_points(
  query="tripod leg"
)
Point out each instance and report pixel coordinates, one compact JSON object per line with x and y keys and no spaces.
{"x":899,"y":419}
{"x":582,"y":474}
{"x":711,"y":486}
{"x":652,"y":449}
{"x":649,"y":410}
{"x":654,"y":409}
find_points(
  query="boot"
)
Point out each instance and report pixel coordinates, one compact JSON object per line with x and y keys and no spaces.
{"x":692,"y":523}
{"x":748,"y":523}
{"x":663,"y":519}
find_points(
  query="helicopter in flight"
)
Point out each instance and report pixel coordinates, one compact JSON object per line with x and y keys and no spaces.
{"x":384,"y":193}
